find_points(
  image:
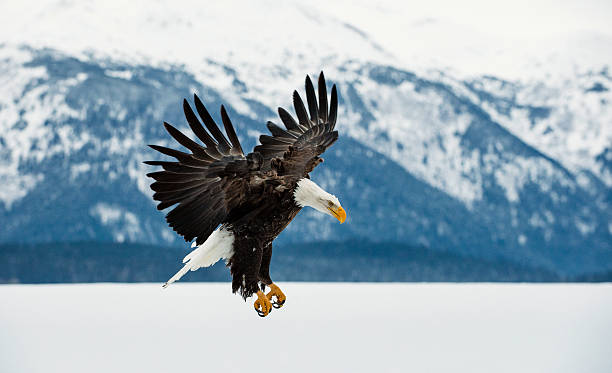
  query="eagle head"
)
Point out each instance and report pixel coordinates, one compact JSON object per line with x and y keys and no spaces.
{"x":308,"y":193}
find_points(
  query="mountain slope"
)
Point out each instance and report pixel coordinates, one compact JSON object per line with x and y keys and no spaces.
{"x":420,"y":161}
{"x":492,"y":142}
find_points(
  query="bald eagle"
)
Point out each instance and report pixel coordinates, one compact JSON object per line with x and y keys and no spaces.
{"x":234,"y":205}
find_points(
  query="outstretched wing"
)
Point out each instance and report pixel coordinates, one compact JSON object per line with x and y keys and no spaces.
{"x":296,"y":149}
{"x":206,"y":183}
{"x":212,"y":180}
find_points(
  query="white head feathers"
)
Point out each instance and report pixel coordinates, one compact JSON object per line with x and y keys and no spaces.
{"x":310,"y":194}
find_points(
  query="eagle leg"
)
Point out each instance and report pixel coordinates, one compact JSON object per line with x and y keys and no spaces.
{"x":276,"y":292}
{"x":262,"y":304}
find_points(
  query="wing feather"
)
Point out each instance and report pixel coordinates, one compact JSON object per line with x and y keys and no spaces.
{"x":169,"y":186}
{"x":275,"y":140}
{"x":312,"y":101}
{"x":322,"y":98}
{"x":198,"y":184}
{"x":279,"y":132}
{"x":288,"y":121}
{"x":231,"y":133}
{"x":179,"y":155}
{"x":195,"y":148}
{"x":300,"y":146}
{"x":300,"y":110}
{"x":211,"y":125}
{"x":333,"y":108}
{"x":199,"y":131}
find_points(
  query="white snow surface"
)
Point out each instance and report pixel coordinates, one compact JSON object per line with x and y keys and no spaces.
{"x":322,"y":328}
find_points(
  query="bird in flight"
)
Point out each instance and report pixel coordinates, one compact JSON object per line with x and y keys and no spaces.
{"x":234,"y":205}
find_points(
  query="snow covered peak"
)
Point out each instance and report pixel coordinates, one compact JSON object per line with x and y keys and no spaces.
{"x":474,"y":37}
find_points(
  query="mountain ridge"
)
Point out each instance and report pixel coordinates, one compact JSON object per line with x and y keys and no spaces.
{"x":75,"y":130}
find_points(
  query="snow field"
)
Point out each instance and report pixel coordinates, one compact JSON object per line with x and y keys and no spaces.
{"x":323,"y":327}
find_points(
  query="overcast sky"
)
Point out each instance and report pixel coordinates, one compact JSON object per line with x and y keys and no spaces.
{"x":470,"y":37}
{"x":511,"y":18}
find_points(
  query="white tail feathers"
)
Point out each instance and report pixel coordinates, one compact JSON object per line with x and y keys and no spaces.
{"x":178,"y":275}
{"x":219,"y":245}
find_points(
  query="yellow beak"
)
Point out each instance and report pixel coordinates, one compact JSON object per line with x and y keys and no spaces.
{"x":338,"y":213}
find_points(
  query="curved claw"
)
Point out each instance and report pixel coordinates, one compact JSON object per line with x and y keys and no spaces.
{"x":262,"y":305}
{"x":260,"y":313}
{"x":275,"y":292}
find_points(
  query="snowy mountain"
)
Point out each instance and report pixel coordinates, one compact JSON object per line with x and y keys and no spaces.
{"x":492,"y":166}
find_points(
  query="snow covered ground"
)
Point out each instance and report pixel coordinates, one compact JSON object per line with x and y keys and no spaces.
{"x":323,"y":327}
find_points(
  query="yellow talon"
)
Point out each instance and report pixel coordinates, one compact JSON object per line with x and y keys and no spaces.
{"x":275,"y":291}
{"x":262,"y":304}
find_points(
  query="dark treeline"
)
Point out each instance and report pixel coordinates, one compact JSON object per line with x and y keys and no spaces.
{"x":324,"y":261}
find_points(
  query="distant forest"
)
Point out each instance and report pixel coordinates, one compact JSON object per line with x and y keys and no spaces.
{"x":324,"y":261}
